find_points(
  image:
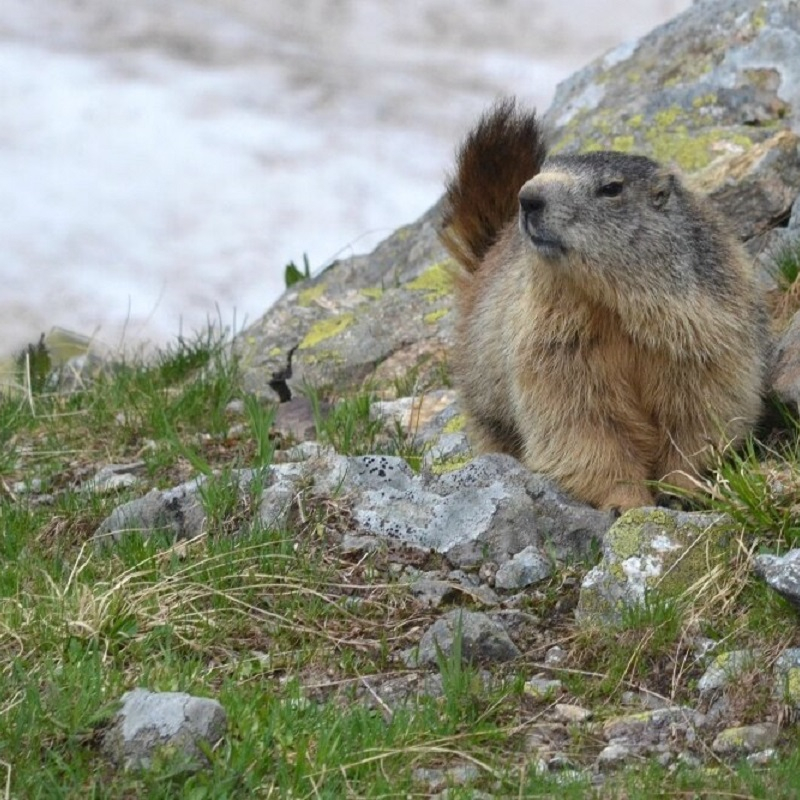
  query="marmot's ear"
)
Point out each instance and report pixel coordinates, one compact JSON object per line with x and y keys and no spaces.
{"x":661,"y":188}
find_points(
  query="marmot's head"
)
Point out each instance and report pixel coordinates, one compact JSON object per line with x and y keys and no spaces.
{"x":611,"y":216}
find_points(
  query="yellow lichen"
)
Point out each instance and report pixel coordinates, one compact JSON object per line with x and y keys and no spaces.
{"x":435,"y":316}
{"x":372,"y":292}
{"x":308,"y":296}
{"x":326,"y":329}
{"x":435,"y":282}
{"x":623,"y":143}
{"x":456,"y":424}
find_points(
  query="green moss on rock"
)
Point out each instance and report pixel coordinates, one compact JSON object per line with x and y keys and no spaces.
{"x":326,"y":329}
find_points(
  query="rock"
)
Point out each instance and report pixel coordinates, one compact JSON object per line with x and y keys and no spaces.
{"x":614,"y":755}
{"x":482,"y":640}
{"x":542,"y":688}
{"x":379,"y":693}
{"x":113,"y":477}
{"x":787,"y":676}
{"x":295,"y":420}
{"x":354,"y":545}
{"x":381,"y":315}
{"x":746,"y":739}
{"x":178,"y":512}
{"x":437,"y":780}
{"x":653,"y":551}
{"x":556,"y":656}
{"x":726,"y":668}
{"x":431,"y":593}
{"x":528,"y":566}
{"x":647,"y":728}
{"x":149,"y":721}
{"x":763,"y":758}
{"x":728,"y":122}
{"x":492,"y":508}
{"x":782,"y":573}
{"x":570,"y":713}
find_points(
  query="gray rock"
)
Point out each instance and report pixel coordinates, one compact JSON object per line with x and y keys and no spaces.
{"x":382,"y":314}
{"x":542,"y":687}
{"x":527,"y":567}
{"x":113,"y":477}
{"x":556,"y":656}
{"x":431,"y":593}
{"x":570,"y":713}
{"x":149,"y":721}
{"x":729,"y":122}
{"x":782,"y":573}
{"x":482,"y":640}
{"x":725,"y":669}
{"x":437,"y":780}
{"x":614,"y":755}
{"x":746,"y":739}
{"x":492,"y":508}
{"x":763,"y":758}
{"x":650,"y":551}
{"x":178,"y":512}
{"x":787,"y":676}
{"x":647,"y":728}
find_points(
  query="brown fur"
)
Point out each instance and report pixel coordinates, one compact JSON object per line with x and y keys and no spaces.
{"x":610,"y":330}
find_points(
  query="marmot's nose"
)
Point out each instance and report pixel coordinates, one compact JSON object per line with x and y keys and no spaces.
{"x":531,"y":200}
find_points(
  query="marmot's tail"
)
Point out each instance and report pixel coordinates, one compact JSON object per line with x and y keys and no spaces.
{"x":502,"y":152}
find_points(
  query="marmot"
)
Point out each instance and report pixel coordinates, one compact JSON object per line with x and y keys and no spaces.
{"x":610,"y":328}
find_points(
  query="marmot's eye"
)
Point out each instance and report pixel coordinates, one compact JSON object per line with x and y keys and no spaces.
{"x":610,"y":189}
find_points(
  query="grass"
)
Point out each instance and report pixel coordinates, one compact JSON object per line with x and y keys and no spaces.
{"x":292,"y":637}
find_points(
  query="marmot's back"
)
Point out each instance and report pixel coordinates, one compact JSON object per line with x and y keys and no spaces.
{"x":610,"y":327}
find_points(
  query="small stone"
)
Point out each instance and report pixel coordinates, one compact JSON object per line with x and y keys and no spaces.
{"x":613,"y":755}
{"x":235,"y":407}
{"x":724,"y":668}
{"x":787,"y":676}
{"x":527,"y":567}
{"x":746,"y":739}
{"x":482,"y":640}
{"x":782,"y":573}
{"x":763,"y":758}
{"x":567,"y":712}
{"x":542,"y":687}
{"x":689,"y":760}
{"x":431,"y":593}
{"x":556,"y":656}
{"x":354,"y":545}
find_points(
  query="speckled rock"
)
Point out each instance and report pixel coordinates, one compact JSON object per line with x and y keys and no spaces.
{"x":178,"y":512}
{"x":149,"y":721}
{"x":492,"y":508}
{"x":651,"y":551}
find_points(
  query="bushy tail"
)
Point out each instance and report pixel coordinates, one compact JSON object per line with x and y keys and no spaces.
{"x":504,"y":150}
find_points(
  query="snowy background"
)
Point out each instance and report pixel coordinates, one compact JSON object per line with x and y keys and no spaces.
{"x":161,"y":161}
